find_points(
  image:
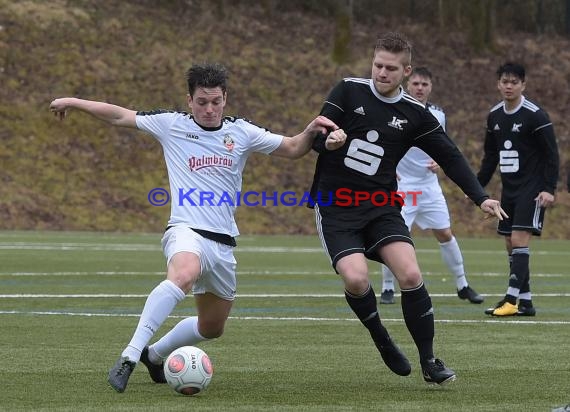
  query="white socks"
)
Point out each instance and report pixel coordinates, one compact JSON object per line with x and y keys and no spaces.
{"x":387,"y":279}
{"x":185,"y":333}
{"x":159,"y":304}
{"x":453,"y":258}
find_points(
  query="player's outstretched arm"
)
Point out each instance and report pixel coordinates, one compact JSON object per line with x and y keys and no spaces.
{"x":493,"y":209}
{"x":110,"y":113}
{"x":299,"y":145}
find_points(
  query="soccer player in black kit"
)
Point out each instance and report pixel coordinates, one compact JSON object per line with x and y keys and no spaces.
{"x":357,"y":209}
{"x":520,"y":139}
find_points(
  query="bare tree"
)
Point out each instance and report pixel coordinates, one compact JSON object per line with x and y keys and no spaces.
{"x":567,"y":18}
{"x":480,"y":14}
{"x":343,"y":31}
{"x":540,"y":16}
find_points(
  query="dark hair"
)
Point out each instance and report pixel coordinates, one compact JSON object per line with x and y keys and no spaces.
{"x":394,"y":43}
{"x":421,"y":71}
{"x":210,"y":75}
{"x":515,"y":69}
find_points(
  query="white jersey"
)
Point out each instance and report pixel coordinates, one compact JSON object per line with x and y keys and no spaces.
{"x":412,"y":169}
{"x":205,"y":166}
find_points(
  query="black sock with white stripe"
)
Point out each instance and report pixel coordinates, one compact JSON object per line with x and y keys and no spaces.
{"x":418,"y":315}
{"x":520,"y":271}
{"x":366,"y":309}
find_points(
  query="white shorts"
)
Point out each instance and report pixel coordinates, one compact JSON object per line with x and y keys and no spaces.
{"x":430,"y":209}
{"x":217,"y":261}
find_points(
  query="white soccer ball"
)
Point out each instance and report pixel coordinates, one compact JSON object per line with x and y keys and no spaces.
{"x":188,"y":370}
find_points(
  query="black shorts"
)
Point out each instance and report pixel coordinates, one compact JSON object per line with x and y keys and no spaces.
{"x":524,"y":212}
{"x":347,"y":230}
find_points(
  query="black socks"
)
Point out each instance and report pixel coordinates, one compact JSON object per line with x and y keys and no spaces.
{"x":365,"y":308}
{"x":418,"y":315}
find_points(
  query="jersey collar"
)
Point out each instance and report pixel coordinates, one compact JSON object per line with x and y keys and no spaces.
{"x":383,"y":98}
{"x":516,"y":109}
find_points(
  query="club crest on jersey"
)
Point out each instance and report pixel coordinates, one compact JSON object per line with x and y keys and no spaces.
{"x":397,"y":123}
{"x":229,"y":142}
{"x":516,"y":127}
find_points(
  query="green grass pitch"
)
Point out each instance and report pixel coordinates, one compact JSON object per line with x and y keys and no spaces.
{"x":70,"y":301}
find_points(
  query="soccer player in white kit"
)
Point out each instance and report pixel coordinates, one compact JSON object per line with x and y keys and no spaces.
{"x":205,"y":154}
{"x":417,"y":172}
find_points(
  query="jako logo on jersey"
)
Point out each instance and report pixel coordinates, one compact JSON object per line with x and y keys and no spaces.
{"x":192,"y":136}
{"x":359,"y":110}
{"x":516,"y":127}
{"x":229,"y":142}
{"x":196,"y":163}
{"x":397,"y":123}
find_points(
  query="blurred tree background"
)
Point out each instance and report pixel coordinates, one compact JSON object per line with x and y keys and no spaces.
{"x":283,"y":58}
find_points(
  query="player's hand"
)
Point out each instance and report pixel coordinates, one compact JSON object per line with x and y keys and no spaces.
{"x":493,"y":209}
{"x":545,"y":199}
{"x":433,"y":166}
{"x":59,"y":108}
{"x":321,"y":124}
{"x":335,"y":139}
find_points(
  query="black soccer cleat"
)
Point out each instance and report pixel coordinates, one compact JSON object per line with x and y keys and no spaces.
{"x":387,"y":297}
{"x":155,"y":371}
{"x":120,"y":373}
{"x":435,"y":372}
{"x":395,"y":359}
{"x":468,"y":293}
{"x":526,"y":310}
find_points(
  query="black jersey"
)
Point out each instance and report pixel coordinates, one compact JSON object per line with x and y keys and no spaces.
{"x":379,"y":132}
{"x":523,"y":144}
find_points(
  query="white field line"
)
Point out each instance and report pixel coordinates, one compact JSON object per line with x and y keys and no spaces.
{"x":245,"y":295}
{"x":139,"y":247}
{"x":256,"y":273}
{"x":301,"y":318}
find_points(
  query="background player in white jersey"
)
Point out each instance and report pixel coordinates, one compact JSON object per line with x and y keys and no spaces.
{"x":417,"y":172}
{"x":356,"y":173}
{"x":520,"y":139}
{"x":204,"y":151}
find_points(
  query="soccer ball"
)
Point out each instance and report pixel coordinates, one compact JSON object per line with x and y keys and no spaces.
{"x":188,"y":370}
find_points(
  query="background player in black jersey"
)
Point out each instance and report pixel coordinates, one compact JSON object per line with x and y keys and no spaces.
{"x":357,"y":209}
{"x":520,"y":139}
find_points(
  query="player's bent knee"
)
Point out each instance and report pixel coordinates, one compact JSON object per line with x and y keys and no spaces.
{"x":211,"y":331}
{"x":356,"y":284}
{"x":410,"y":279}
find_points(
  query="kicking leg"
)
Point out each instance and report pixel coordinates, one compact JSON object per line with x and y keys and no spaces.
{"x":183,"y":270}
